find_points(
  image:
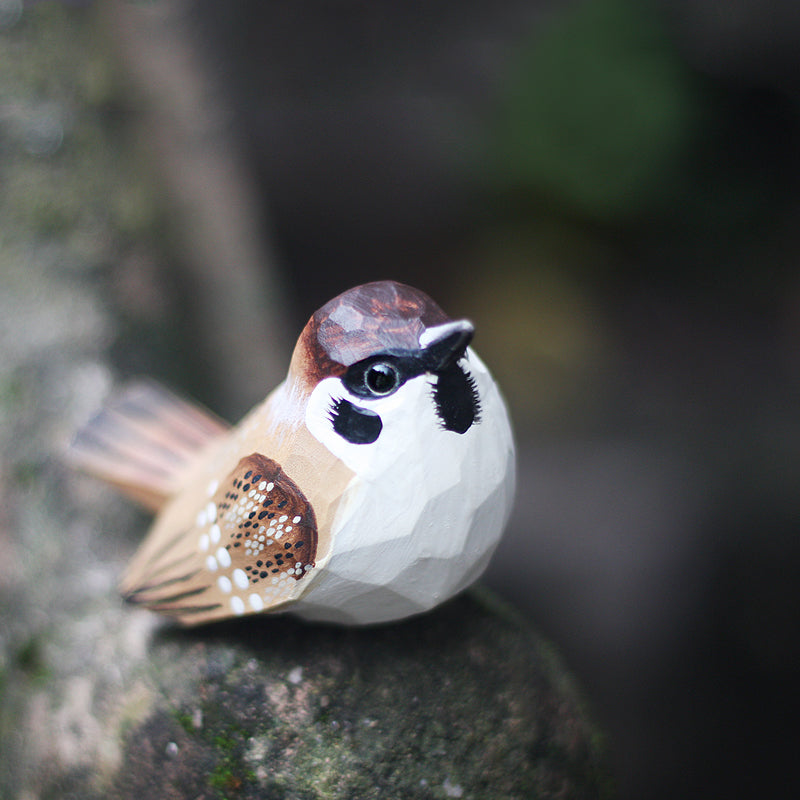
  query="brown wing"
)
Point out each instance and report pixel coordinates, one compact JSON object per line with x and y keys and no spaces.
{"x":253,"y":543}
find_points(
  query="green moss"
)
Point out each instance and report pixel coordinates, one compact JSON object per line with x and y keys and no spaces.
{"x":230,"y":775}
{"x":185,"y":721}
{"x":225,"y":743}
{"x":12,"y":392}
{"x":30,"y":660}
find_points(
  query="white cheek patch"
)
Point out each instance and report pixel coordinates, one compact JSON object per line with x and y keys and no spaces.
{"x":404,"y":415}
{"x":472,"y":361}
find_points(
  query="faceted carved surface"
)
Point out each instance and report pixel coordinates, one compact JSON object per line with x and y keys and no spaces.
{"x":394,"y":475}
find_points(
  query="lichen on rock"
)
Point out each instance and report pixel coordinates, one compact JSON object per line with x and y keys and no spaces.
{"x":459,"y":700}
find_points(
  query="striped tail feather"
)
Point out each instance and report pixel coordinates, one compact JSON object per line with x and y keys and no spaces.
{"x":142,"y":440}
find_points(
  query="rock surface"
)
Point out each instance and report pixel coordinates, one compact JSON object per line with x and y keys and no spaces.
{"x":101,"y":701}
{"x":458,"y":703}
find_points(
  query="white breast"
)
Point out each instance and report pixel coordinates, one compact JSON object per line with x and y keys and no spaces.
{"x":425,"y":509}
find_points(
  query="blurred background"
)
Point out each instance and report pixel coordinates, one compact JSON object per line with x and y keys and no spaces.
{"x":610,"y":189}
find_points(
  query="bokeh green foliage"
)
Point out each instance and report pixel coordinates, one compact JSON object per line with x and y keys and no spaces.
{"x":598,"y":109}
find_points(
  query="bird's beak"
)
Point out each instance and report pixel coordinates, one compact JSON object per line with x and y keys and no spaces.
{"x":444,"y":344}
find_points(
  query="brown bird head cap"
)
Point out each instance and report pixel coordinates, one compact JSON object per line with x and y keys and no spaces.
{"x":378,"y":317}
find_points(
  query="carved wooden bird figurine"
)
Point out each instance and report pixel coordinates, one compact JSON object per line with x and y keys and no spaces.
{"x":372,"y":484}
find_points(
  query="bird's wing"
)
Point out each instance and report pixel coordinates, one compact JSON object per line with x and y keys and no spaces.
{"x":250,"y":549}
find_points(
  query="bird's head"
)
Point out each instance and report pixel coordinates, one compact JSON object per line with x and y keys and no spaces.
{"x":381,"y":362}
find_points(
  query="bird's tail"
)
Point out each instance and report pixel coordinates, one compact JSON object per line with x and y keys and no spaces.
{"x":143,"y":440}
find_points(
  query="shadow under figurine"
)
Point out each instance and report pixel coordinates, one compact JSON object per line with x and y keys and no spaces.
{"x":372,"y":484}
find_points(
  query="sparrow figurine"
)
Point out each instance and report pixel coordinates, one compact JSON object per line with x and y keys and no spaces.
{"x":372,"y":484}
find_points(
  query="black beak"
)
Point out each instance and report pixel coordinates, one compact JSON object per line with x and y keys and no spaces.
{"x":443,"y":345}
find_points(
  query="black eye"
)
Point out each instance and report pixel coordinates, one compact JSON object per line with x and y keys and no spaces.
{"x":381,"y":378}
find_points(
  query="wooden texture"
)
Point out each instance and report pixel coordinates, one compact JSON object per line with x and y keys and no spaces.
{"x":382,"y":316}
{"x":386,"y":457}
{"x":250,"y":546}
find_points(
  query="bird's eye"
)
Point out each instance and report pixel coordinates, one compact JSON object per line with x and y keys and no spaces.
{"x":377,"y":377}
{"x":381,"y":378}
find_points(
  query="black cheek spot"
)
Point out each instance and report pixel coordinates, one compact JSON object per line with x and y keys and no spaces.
{"x":356,"y":425}
{"x":456,"y":397}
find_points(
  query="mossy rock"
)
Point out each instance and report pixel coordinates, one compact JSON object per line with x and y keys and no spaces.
{"x":461,"y":702}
